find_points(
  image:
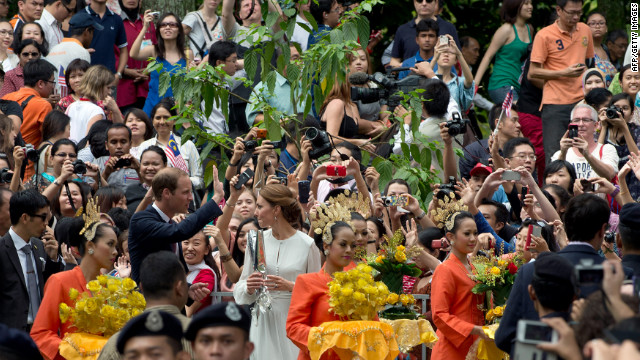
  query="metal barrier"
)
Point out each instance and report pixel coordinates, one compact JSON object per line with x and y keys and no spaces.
{"x":421,"y":297}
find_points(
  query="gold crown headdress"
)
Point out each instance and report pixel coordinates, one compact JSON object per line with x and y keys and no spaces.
{"x":327,"y":216}
{"x":446,"y":210}
{"x":355,"y":202}
{"x":91,"y":218}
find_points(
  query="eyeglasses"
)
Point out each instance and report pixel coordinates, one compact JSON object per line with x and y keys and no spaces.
{"x":30,"y":54}
{"x":168,"y":24}
{"x":51,"y":82}
{"x":69,"y":11}
{"x":582,"y":120}
{"x":421,"y":1}
{"x":524,"y":157}
{"x":596,"y":24}
{"x":41,"y":216}
{"x":572,"y":13}
{"x":6,"y":33}
{"x":64,"y":155}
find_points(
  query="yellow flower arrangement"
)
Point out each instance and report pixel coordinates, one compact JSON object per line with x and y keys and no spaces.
{"x":355,"y":295}
{"x":494,"y":314}
{"x":110,"y":304}
{"x":393,"y":298}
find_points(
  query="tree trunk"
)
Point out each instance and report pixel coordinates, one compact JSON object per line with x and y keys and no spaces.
{"x":179,"y":7}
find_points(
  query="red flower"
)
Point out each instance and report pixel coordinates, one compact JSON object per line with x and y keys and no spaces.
{"x":512,"y":268}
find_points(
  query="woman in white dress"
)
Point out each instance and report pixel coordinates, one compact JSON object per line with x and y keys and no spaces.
{"x":288,"y":253}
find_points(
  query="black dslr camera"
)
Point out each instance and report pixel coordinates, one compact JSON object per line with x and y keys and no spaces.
{"x":320,"y":141}
{"x":457,"y":125}
{"x":79,"y":167}
{"x":30,"y":153}
{"x":5,"y":175}
{"x":447,"y":189}
{"x":613,"y":112}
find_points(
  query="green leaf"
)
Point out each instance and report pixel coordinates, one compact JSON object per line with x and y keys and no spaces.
{"x":318,"y":97}
{"x":362,"y":23}
{"x":273,"y":128}
{"x":325,"y":65}
{"x":251,"y":63}
{"x":208,"y":174}
{"x":208,"y":95}
{"x":205,"y":152}
{"x":270,"y":80}
{"x":293,"y":73}
{"x":439,"y":157}
{"x":385,"y":168}
{"x":415,"y":152}
{"x":165,"y":81}
{"x":290,"y":12}
{"x":366,"y":7}
{"x":269,"y":48}
{"x":426,"y":158}
{"x":311,"y":20}
{"x":336,"y":36}
{"x":350,"y":31}
{"x":271,"y":18}
{"x":281,"y":62}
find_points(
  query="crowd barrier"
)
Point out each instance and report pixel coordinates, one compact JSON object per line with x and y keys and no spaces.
{"x":422,"y":298}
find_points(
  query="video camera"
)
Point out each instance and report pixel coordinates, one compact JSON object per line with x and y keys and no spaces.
{"x":388,"y":94}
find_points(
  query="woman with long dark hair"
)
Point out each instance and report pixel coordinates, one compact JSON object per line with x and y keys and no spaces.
{"x":54,"y":128}
{"x":169,"y":51}
{"x":141,"y":129}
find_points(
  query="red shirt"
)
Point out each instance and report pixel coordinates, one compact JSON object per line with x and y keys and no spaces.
{"x":128,"y":91}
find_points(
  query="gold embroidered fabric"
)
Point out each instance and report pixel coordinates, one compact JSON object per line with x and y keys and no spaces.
{"x":82,"y":346}
{"x":411,"y":333}
{"x":372,"y":340}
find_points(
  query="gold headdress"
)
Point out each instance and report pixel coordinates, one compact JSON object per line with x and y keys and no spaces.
{"x":446,"y":211}
{"x":356,"y":202}
{"x":327,"y":216}
{"x":91,"y":218}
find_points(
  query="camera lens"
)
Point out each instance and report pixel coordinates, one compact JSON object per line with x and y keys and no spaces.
{"x":311,"y":134}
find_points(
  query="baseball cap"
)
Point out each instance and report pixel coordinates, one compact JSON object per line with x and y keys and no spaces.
{"x":82,"y":20}
{"x":480,"y":167}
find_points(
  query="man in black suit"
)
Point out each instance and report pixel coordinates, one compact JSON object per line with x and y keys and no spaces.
{"x":585,"y":222}
{"x":152,"y":230}
{"x":26,"y":262}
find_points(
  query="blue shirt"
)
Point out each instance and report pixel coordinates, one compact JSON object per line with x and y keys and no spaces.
{"x":280,"y":99}
{"x":404,"y":43}
{"x":103,"y":41}
{"x":412,"y":61}
{"x":315,"y":37}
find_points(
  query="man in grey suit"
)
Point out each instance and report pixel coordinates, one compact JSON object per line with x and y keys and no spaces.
{"x":26,"y":262}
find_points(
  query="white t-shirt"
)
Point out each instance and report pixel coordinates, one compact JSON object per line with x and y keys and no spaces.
{"x":300,"y":35}
{"x":196,"y":22}
{"x":80,"y":113}
{"x":606,"y":154}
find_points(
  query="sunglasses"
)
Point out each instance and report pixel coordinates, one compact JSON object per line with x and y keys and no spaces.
{"x":30,"y":54}
{"x":169,"y":24}
{"x":41,"y":216}
{"x":427,"y":1}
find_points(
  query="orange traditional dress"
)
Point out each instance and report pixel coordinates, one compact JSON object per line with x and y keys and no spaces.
{"x":47,"y":331}
{"x":309,"y":307}
{"x":455,"y":310}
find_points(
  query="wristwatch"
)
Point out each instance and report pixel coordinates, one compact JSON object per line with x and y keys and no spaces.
{"x":616,"y":191}
{"x":119,"y":75}
{"x":419,"y":217}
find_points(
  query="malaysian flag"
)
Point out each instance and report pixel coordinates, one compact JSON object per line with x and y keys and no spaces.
{"x":62,"y":83}
{"x":173,"y":154}
{"x":508,"y":100}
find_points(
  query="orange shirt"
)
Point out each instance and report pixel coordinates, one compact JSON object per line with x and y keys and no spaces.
{"x":47,"y":323}
{"x":557,"y":50}
{"x":455,"y":310}
{"x":32,"y":118}
{"x":309,"y":307}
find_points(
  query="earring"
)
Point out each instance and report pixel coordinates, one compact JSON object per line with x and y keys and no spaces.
{"x":90,"y":251}
{"x":275,"y":218}
{"x":326,"y":252}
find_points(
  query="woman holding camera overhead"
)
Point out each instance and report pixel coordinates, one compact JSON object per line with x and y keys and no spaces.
{"x":287,"y":254}
{"x":182,"y":156}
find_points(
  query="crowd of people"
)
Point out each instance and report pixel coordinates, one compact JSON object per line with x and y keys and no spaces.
{"x":85,"y":129}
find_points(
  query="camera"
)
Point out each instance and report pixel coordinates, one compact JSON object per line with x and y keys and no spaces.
{"x":573,"y":131}
{"x":395,"y":200}
{"x":122,"y":162}
{"x":5,"y":175}
{"x":531,"y":333}
{"x":388,"y":93}
{"x":250,"y":145}
{"x":243,"y":178}
{"x":79,"y":167}
{"x":613,"y":112}
{"x":457,"y":125}
{"x":439,"y":244}
{"x":30,"y":153}
{"x":281,"y":179}
{"x":588,"y":273}
{"x":320,"y":141}
{"x":610,"y":237}
{"x":587,"y":186}
{"x":261,"y":133}
{"x":447,"y":189}
{"x":510,"y":175}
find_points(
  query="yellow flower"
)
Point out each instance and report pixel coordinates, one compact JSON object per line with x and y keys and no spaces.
{"x":107,"y":311}
{"x":64,"y":311}
{"x":498,"y":311}
{"x":113,"y":285}
{"x":400,"y":248}
{"x":93,"y":286}
{"x":80,"y":305}
{"x":380,"y":259}
{"x":392,"y":298}
{"x":495,"y":271}
{"x":346,"y":291}
{"x":406,"y":299}
{"x":401,"y":256}
{"x":502,"y":263}
{"x":128,"y":284}
{"x":364,"y":268}
{"x":124,"y":302}
{"x":358,"y":296}
{"x":135,"y":312}
{"x":490,"y":316}
{"x":73,"y":294}
{"x":92,"y":306}
{"x":102,"y":279}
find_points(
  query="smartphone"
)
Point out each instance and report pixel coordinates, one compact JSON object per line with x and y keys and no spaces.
{"x":534,"y":230}
{"x":444,"y":40}
{"x":243,"y":178}
{"x":395,"y":200}
{"x":439,"y":244}
{"x":535,"y":332}
{"x":336,"y":170}
{"x":511,"y":175}
{"x":304,"y":187}
{"x":587,"y":186}
{"x":261,"y":134}
{"x":573,"y":131}
{"x":525,"y":191}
